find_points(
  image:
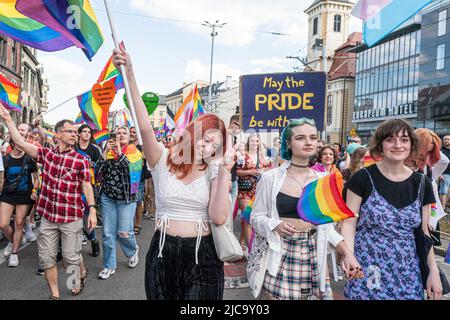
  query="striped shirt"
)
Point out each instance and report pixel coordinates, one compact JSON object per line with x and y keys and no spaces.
{"x":63,"y":174}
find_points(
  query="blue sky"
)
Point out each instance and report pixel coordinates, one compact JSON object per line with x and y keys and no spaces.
{"x":166,"y":53}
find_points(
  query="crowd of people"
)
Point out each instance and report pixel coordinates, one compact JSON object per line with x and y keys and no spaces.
{"x":192,"y":181}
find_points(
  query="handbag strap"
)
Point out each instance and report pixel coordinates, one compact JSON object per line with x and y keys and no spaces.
{"x":422,"y":190}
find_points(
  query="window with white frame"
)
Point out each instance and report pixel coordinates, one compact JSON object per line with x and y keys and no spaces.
{"x":440,"y":59}
{"x":442,"y":26}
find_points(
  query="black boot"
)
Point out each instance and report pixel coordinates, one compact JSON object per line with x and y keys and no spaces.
{"x":95,"y":248}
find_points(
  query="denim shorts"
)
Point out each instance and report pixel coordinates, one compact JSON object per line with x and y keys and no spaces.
{"x":176,"y":276}
{"x":444,"y":184}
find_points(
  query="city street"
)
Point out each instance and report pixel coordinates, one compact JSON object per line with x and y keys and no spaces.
{"x":22,"y":283}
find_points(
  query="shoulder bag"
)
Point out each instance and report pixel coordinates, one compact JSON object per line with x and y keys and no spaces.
{"x":424,"y":243}
{"x":247,"y":184}
{"x":227,"y":244}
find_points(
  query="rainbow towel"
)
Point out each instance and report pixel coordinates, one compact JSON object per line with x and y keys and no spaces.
{"x":87,"y":32}
{"x":248,"y":211}
{"x":101,"y":136}
{"x":134,"y":156}
{"x":9,"y":94}
{"x":321,"y":201}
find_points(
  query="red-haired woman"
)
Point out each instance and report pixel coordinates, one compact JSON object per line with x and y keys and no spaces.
{"x":182,"y":262}
{"x":432,"y":162}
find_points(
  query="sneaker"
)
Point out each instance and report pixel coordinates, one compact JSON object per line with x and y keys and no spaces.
{"x":24,"y":241}
{"x":95,"y":248}
{"x":40,"y":272}
{"x":29,"y":235}
{"x":340,"y":274}
{"x":84,"y":240}
{"x":132,"y":263}
{"x":328,"y":295}
{"x":8,"y":250}
{"x":13,"y":260}
{"x":106,"y":273}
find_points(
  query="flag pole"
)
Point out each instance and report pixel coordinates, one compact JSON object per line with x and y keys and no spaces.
{"x":122,"y":70}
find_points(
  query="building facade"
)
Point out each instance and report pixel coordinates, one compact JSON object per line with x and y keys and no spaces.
{"x":10,"y":65}
{"x":328,"y":29}
{"x":341,"y":92}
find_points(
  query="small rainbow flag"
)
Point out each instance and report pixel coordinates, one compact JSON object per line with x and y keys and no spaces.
{"x":368,"y":161}
{"x":79,"y":119}
{"x":134,"y":156}
{"x":101,"y":136}
{"x":321,"y":201}
{"x":49,"y":134}
{"x":110,"y":71}
{"x":86,"y":28}
{"x":9,"y":94}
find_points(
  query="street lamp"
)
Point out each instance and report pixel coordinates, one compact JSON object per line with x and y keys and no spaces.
{"x":213,"y":26}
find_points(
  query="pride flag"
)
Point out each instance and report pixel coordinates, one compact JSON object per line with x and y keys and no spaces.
{"x":95,"y":115}
{"x":101,"y":136}
{"x":78,"y":17}
{"x":134,"y":156}
{"x":21,"y":21}
{"x":383,"y":17}
{"x":368,"y":161}
{"x":79,"y":119}
{"x":191,"y":109}
{"x":9,"y":94}
{"x":49,"y":134}
{"x":110,"y":71}
{"x":321,"y":201}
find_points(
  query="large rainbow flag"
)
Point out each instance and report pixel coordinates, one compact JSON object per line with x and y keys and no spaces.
{"x":134,"y":156}
{"x":16,"y":23}
{"x":321,"y":201}
{"x":191,"y":109}
{"x":9,"y":94}
{"x":78,"y":17}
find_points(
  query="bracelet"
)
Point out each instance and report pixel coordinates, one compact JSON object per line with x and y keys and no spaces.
{"x":34,"y":190}
{"x":92,"y":206}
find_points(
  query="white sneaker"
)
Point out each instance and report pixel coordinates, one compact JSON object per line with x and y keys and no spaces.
{"x":24,"y":241}
{"x":132,"y":263}
{"x":106,"y":273}
{"x":340,"y":274}
{"x":13,"y":260}
{"x":8,"y":250}
{"x":29,"y":235}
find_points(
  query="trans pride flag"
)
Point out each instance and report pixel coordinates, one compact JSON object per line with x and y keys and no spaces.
{"x":321,"y":201}
{"x":9,"y":94}
{"x":381,"y":17}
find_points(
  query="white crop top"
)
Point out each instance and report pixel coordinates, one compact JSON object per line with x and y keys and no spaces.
{"x":177,"y":201}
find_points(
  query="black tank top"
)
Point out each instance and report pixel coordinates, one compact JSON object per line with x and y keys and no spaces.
{"x":287,"y":206}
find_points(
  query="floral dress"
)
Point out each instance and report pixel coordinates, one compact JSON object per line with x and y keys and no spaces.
{"x":386,"y":250}
{"x":250,"y":165}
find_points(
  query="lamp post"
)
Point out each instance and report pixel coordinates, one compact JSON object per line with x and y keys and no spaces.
{"x":213,"y":26}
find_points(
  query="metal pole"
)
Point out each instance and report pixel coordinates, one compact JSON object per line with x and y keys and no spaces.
{"x":123,"y":71}
{"x":324,"y":57}
{"x":213,"y":34}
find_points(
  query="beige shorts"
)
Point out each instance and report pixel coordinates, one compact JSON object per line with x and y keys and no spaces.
{"x":48,"y":243}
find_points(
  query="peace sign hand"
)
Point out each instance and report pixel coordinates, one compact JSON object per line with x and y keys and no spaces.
{"x":230,"y":157}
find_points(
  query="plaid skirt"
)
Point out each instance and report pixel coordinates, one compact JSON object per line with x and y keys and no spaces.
{"x":298,"y":276}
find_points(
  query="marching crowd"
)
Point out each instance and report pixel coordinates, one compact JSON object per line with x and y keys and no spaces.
{"x":192,"y":181}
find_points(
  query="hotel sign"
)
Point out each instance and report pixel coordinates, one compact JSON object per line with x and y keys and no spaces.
{"x":403,"y":110}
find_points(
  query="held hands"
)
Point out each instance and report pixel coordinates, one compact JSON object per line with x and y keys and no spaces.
{"x":434,"y":286}
{"x":351,"y":267}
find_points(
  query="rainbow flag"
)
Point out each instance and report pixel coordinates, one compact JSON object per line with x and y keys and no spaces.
{"x":321,"y":201}
{"x":191,"y":109}
{"x":368,"y":161}
{"x":9,"y":94}
{"x":134,"y":156}
{"x":110,"y":71}
{"x":78,"y":17}
{"x":94,"y":115}
{"x":248,"y":210}
{"x":79,"y":119}
{"x":49,"y":134}
{"x":16,"y":23}
{"x":101,"y":136}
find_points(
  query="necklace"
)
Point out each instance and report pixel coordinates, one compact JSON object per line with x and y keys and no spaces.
{"x":299,"y":165}
{"x":302,"y":185}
